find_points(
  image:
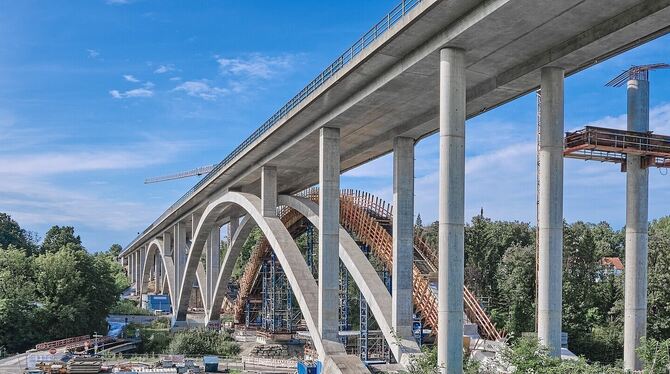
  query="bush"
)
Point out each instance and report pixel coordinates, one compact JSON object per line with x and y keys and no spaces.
{"x":128,"y":307}
{"x":203,"y":342}
{"x":526,"y":355}
{"x":655,"y":355}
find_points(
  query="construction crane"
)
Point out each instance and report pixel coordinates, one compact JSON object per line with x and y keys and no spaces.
{"x":184,"y":174}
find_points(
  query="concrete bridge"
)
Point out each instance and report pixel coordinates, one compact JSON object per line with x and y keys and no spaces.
{"x":425,"y":67}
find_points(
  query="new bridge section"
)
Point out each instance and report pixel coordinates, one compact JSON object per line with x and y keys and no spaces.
{"x":391,"y":87}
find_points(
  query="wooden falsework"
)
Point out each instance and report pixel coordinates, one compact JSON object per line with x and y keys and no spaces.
{"x":366,"y":215}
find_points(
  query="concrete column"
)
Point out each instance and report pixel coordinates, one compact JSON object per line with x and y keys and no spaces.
{"x":157,"y":272}
{"x":233,"y":224}
{"x":403,"y":235}
{"x":142,"y":254}
{"x":269,"y":191}
{"x":550,"y":211}
{"x":213,"y":251}
{"x":138,"y":271}
{"x":131,"y":268}
{"x":329,"y":241}
{"x":637,"y":200}
{"x":451,"y":210}
{"x":168,"y":276}
{"x":179,"y":256}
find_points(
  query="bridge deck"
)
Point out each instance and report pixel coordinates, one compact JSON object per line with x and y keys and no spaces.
{"x":390,"y":87}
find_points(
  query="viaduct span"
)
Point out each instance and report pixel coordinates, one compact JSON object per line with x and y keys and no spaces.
{"x":426,"y":67}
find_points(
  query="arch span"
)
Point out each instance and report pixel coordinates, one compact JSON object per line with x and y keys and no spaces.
{"x":226,"y":270}
{"x":364,"y":275}
{"x":297,"y":273}
{"x":154,"y":246}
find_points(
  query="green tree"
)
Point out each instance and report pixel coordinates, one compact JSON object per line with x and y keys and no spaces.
{"x":12,"y":234}
{"x":516,"y":276}
{"x":58,"y":237}
{"x":659,"y":279}
{"x":115,"y":250}
{"x":18,"y":331}
{"x":76,"y":291}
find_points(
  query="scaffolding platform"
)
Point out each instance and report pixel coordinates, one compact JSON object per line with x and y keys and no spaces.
{"x":612,"y":145}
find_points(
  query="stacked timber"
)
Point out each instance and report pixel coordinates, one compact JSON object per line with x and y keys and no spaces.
{"x":84,"y":365}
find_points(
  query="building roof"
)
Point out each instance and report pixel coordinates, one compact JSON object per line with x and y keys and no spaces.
{"x":614,"y":262}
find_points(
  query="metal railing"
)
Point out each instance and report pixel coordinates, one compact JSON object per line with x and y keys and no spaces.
{"x":390,"y":19}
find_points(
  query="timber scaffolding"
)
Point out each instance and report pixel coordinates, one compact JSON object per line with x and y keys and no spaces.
{"x":369,"y":218}
{"x":612,"y":145}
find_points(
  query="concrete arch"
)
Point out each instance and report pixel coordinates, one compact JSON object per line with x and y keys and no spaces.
{"x":154,"y":246}
{"x":364,"y":275}
{"x":297,"y":273}
{"x":226,"y":270}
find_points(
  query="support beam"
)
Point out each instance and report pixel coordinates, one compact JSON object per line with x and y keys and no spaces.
{"x":269,"y":190}
{"x":179,"y":256}
{"x":550,"y":210}
{"x":329,"y":223}
{"x":212,"y":253}
{"x":142,"y":252}
{"x":131,"y":268}
{"x":158,"y":273}
{"x":451,"y":210}
{"x":138,"y":271}
{"x":403,"y":235}
{"x":637,"y":201}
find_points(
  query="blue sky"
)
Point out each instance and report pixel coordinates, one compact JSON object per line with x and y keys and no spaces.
{"x":96,"y":96}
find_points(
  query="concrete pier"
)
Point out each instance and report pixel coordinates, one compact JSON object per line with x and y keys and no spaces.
{"x":158,"y":273}
{"x":179,"y":256}
{"x":637,"y":200}
{"x":329,"y":223}
{"x":212,"y":253}
{"x":550,"y":210}
{"x":451,"y":210}
{"x":403,"y":235}
{"x":269,"y":191}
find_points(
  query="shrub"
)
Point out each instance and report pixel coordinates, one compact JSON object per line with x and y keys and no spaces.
{"x":203,"y":342}
{"x":128,"y":307}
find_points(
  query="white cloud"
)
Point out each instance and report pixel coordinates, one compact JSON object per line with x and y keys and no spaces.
{"x":256,"y":65}
{"x":92,"y":53}
{"x":137,"y":92}
{"x":130,"y":78}
{"x":201,"y":89}
{"x":34,"y":195}
{"x":162,"y":69}
{"x":175,"y":78}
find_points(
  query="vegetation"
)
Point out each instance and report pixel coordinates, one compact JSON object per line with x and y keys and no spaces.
{"x":203,"y":342}
{"x":53,"y":290}
{"x":128,"y":307}
{"x":500,"y":268}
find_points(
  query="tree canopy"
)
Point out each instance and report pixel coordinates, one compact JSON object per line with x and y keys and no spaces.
{"x":58,"y":291}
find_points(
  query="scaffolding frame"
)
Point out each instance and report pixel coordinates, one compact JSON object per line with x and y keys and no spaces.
{"x":277,"y":309}
{"x":612,"y":145}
